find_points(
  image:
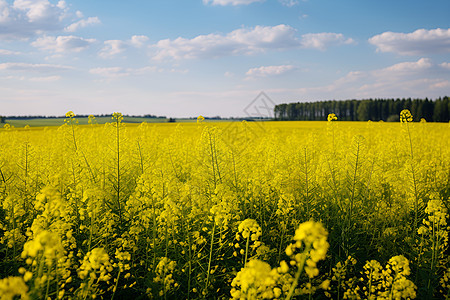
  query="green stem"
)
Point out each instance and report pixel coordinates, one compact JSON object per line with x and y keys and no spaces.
{"x":210,"y":255}
{"x":297,"y":276}
{"x":190,"y":263}
{"x":246,"y":249}
{"x":416,"y":198}
{"x":115,"y":286}
{"x":118,"y":169}
{"x":212,"y":159}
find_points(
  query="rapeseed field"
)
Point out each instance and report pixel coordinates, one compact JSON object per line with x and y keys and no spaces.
{"x":240,"y":210}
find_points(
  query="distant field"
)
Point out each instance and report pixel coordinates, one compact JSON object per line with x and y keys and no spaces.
{"x":43,"y":122}
{"x":82,"y":121}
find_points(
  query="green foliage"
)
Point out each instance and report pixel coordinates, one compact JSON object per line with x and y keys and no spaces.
{"x":364,"y":110}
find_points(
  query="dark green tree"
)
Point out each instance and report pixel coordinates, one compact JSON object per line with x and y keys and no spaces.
{"x":362,"y":113}
{"x":368,"y":109}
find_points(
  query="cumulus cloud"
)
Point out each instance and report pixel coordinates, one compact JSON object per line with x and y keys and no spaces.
{"x":23,"y":19}
{"x":240,"y":41}
{"x":323,"y":40}
{"x":408,"y":67}
{"x":114,"y":47}
{"x":265,"y":71}
{"x":82,"y":23}
{"x":27,"y":67}
{"x":419,"y":42}
{"x":139,"y":41}
{"x":244,"y":41}
{"x":63,"y":44}
{"x":230,"y":2}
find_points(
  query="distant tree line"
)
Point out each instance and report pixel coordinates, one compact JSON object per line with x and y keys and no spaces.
{"x":437,"y":110}
{"x":2,"y":119}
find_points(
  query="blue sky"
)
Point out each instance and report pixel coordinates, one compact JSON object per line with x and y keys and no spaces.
{"x":213,"y":57}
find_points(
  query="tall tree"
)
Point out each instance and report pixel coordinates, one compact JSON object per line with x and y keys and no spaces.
{"x":368,"y":109}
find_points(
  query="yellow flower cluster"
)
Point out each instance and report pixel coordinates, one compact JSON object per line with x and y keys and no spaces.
{"x":311,"y":239}
{"x":342,"y":279}
{"x":250,"y":231}
{"x":45,"y":243}
{"x":117,"y":117}
{"x":249,"y":228}
{"x":200,"y":119}
{"x":70,"y":114}
{"x":164,"y":275}
{"x":435,"y":225}
{"x":95,"y":267}
{"x":13,"y":286}
{"x":405,"y":116}
{"x":97,"y":260}
{"x":12,"y":237}
{"x":445,"y":284}
{"x":256,"y":281}
{"x":390,"y":282}
{"x":331,"y":117}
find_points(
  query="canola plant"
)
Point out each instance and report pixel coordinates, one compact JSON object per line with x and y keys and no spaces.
{"x":241,"y":210}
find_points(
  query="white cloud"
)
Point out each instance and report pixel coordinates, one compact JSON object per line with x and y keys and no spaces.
{"x":443,"y":84}
{"x":419,"y":42}
{"x":323,"y":40}
{"x":45,"y":79}
{"x":111,"y":72}
{"x":230,"y":2}
{"x":4,"y":11}
{"x":244,"y":41}
{"x":82,"y":23}
{"x":421,"y":78}
{"x":25,"y":18}
{"x":118,"y":72}
{"x":408,"y":67}
{"x":112,"y":48}
{"x":40,"y":10}
{"x":265,"y":71}
{"x":9,"y":52}
{"x":63,"y":44}
{"x":139,"y":41}
{"x":240,"y":41}
{"x":27,"y":67}
{"x":288,"y":3}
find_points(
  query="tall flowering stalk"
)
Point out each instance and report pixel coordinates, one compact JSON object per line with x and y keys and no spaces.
{"x":406,"y":118}
{"x":309,"y":248}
